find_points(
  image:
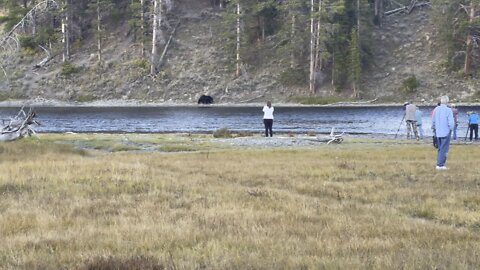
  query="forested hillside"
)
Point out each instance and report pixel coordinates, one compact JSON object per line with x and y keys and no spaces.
{"x":239,"y":50}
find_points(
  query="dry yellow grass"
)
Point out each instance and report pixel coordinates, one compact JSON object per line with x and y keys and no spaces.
{"x":349,"y":206}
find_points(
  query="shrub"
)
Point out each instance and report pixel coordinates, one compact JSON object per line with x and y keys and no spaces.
{"x":11,"y":95}
{"x":410,"y":84}
{"x":222,"y":133}
{"x":69,"y":69}
{"x":293,"y":77}
{"x":27,"y":42}
{"x":84,"y":98}
{"x":141,"y":63}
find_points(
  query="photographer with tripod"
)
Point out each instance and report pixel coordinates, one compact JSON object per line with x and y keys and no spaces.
{"x":473,"y":124}
{"x":411,"y":120}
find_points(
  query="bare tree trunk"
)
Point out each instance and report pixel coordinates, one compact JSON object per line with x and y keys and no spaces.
{"x":333,"y":65}
{"x":378,"y":11}
{"x":312,"y":50}
{"x":292,"y":63}
{"x":34,"y":25}
{"x":355,"y":86}
{"x":156,"y":32}
{"x":156,"y":8}
{"x":238,"y":72}
{"x":142,"y":26}
{"x":65,"y":32}
{"x":262,"y":20}
{"x":358,"y":20}
{"x":318,"y":60}
{"x":99,"y":32}
{"x":468,"y":54}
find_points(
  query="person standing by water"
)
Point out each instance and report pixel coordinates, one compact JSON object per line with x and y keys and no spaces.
{"x":473,"y":124}
{"x":268,"y":118}
{"x":418,"y":117}
{"x":455,"y":120}
{"x":411,"y":120}
{"x":442,"y":124}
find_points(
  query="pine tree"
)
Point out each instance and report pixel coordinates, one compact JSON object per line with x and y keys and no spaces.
{"x":136,"y":22}
{"x":458,"y":26}
{"x":355,"y":68}
{"x":98,"y":9}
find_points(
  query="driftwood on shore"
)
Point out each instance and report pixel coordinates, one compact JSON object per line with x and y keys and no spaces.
{"x":332,"y":138}
{"x":347,"y":103}
{"x":19,"y":126}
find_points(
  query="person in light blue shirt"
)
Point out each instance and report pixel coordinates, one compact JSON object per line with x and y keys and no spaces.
{"x":418,"y":117}
{"x":473,"y":124}
{"x":442,"y":125}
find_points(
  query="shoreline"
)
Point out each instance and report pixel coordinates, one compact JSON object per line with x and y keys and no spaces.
{"x":138,"y":103}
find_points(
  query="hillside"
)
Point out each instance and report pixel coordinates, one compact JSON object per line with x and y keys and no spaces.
{"x":407,"y":45}
{"x":197,"y":63}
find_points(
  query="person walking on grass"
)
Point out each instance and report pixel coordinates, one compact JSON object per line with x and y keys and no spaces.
{"x":268,"y":118}
{"x":411,"y":120}
{"x":418,"y":118}
{"x":442,"y":126}
{"x":473,"y":125}
{"x":455,"y":120}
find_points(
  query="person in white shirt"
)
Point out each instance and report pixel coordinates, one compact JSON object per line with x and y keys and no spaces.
{"x":268,"y":118}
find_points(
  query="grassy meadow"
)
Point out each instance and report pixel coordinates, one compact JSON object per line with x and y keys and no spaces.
{"x":186,"y":202}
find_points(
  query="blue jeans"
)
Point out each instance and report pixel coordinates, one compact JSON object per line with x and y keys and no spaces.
{"x":442,"y":151}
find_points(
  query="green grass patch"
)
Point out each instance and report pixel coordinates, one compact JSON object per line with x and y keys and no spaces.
{"x":11,"y":95}
{"x":123,"y":147}
{"x":177,"y":148}
{"x":317,"y":100}
{"x":222,"y":133}
{"x":84,"y":98}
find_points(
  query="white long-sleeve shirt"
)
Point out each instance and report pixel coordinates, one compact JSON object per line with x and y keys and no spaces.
{"x":267,"y":112}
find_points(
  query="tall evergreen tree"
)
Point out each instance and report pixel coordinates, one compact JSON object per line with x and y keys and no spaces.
{"x":355,"y":68}
{"x":99,"y":9}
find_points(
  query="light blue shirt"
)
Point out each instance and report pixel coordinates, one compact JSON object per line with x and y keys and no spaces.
{"x":418,"y":117}
{"x":442,"y":121}
{"x":473,"y":118}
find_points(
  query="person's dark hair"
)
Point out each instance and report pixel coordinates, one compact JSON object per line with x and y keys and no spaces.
{"x":269,"y":104}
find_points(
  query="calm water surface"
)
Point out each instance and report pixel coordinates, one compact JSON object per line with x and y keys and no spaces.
{"x":353,"y":120}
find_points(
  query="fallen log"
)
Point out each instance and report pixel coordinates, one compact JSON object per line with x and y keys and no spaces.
{"x":411,"y":6}
{"x":160,"y":62}
{"x":406,"y":8}
{"x":19,"y":126}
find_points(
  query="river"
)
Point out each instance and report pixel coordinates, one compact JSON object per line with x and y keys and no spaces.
{"x":376,"y":120}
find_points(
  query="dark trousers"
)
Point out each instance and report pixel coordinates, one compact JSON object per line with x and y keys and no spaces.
{"x":268,"y":126}
{"x":473,"y":128}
